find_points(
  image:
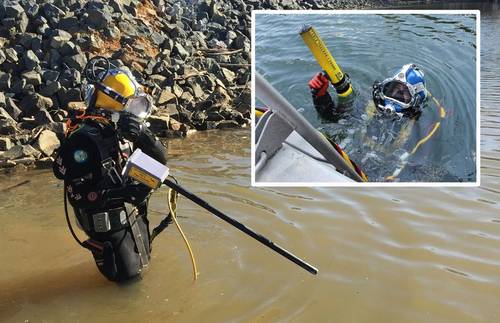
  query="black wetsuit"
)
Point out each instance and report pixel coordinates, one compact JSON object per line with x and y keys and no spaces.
{"x":92,"y":189}
{"x":326,"y":107}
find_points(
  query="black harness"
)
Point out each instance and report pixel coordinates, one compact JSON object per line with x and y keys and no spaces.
{"x":88,"y":161}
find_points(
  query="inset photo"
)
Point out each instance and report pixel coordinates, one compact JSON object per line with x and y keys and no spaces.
{"x":377,"y":98}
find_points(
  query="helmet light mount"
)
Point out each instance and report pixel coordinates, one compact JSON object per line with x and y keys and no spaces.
{"x":96,"y":69}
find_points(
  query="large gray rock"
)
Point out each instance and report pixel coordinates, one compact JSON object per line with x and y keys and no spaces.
{"x":19,"y":86}
{"x":31,"y":61}
{"x":158,"y":38}
{"x":225,"y":124}
{"x":50,"y":89}
{"x":98,"y":18}
{"x":69,"y":95}
{"x":45,"y":162}
{"x":197,"y":91}
{"x":33,"y":102}
{"x":5,"y":143}
{"x":25,"y":160}
{"x":57,"y":127}
{"x":180,"y":50}
{"x":241,"y":42}
{"x":26,"y":39}
{"x":12,"y":9}
{"x":117,"y":6}
{"x":7,"y":127}
{"x":5,"y":81}
{"x":32,"y":77}
{"x":58,"y":41}
{"x":50,"y":75}
{"x":77,"y":61}
{"x":47,"y":142}
{"x":20,"y":151}
{"x":177,"y":90}
{"x":68,"y":48}
{"x":228,"y":74}
{"x":53,"y":12}
{"x":2,"y":100}
{"x":55,"y":60}
{"x":11,"y":55}
{"x":165,"y":97}
{"x":2,"y":56}
{"x":22,"y":23}
{"x":70,"y":24}
{"x":4,"y":114}
{"x":42,"y":117}
{"x":12,"y":108}
{"x":6,"y":163}
{"x":32,"y":9}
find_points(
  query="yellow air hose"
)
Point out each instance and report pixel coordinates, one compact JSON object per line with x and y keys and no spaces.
{"x":325,"y":59}
{"x":442,"y":115}
{"x":172,"y":205}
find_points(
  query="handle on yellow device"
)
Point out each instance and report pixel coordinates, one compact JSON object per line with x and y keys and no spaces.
{"x":339,"y":79}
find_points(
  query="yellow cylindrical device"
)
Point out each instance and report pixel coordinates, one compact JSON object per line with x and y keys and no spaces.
{"x":340,"y":80}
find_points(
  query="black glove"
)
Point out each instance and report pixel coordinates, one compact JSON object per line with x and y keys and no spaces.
{"x":129,"y":126}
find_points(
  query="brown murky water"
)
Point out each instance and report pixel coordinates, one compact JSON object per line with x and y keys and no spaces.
{"x":384,"y":255}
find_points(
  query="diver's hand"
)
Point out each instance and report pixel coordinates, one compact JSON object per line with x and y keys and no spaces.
{"x":319,"y":84}
{"x":129,"y":126}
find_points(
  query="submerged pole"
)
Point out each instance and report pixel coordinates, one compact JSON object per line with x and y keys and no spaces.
{"x":240,"y":226}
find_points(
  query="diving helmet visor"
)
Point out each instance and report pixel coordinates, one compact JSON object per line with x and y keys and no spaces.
{"x":397,"y":91}
{"x":139,"y":106}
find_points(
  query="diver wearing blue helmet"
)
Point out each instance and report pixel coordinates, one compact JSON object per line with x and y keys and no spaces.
{"x":402,"y":95}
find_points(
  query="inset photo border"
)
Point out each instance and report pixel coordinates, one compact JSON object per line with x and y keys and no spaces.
{"x":365,"y":98}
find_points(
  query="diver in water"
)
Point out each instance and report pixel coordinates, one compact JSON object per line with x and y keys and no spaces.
{"x":397,"y":102}
{"x":402,"y":95}
{"x":112,"y":210}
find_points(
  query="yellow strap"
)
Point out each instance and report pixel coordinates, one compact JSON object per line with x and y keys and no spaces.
{"x":172,"y":204}
{"x":423,"y":140}
{"x":442,"y":115}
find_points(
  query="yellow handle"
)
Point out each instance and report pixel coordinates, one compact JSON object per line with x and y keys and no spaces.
{"x":324,"y":57}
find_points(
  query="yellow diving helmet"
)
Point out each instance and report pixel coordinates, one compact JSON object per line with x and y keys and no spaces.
{"x":119,"y":91}
{"x":120,"y":82}
{"x":114,"y":89}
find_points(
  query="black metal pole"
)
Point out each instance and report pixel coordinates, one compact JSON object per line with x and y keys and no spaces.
{"x":265,"y":241}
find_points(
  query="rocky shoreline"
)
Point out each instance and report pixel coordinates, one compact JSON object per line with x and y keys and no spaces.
{"x":193,"y":57}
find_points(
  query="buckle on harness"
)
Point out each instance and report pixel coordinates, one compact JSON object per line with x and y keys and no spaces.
{"x":110,"y":166}
{"x":101,"y":222}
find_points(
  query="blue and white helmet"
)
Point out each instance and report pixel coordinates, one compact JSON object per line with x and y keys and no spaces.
{"x":404,"y":93}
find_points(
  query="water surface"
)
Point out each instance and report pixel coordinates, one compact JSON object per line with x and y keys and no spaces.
{"x":384,"y":255}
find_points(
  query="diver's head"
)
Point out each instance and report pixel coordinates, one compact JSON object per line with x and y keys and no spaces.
{"x":402,"y":94}
{"x":115,"y":89}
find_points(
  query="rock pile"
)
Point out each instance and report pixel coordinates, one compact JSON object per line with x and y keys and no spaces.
{"x":193,"y":57}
